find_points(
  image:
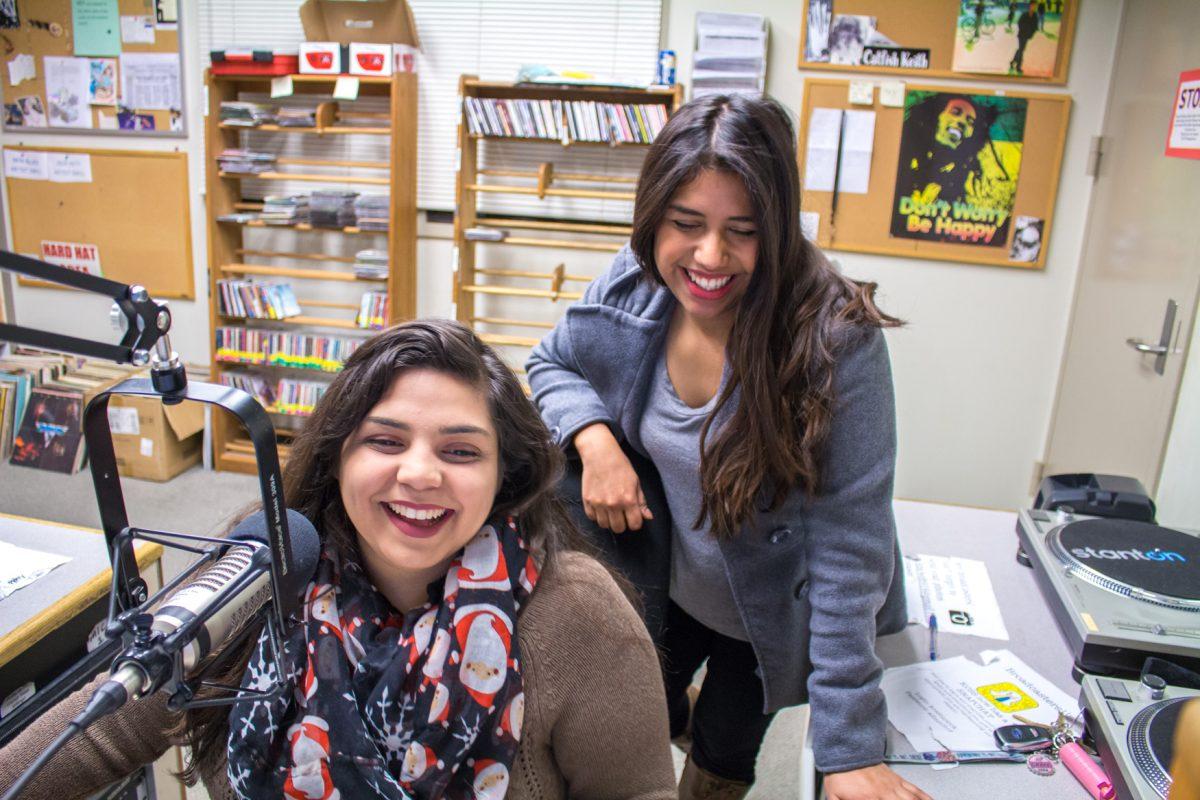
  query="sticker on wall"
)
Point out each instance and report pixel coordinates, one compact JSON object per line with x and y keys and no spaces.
{"x":1184,"y":139}
{"x":1027,"y":239}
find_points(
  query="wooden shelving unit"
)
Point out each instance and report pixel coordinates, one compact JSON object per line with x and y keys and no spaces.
{"x":546,"y":182}
{"x":307,"y":267}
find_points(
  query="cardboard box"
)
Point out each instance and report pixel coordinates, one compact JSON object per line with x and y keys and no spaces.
{"x":321,"y":58}
{"x":346,"y":21}
{"x":153,"y":440}
{"x":378,"y":37}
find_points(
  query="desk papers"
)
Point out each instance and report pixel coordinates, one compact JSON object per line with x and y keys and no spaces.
{"x":20,"y":566}
{"x":956,"y":704}
{"x":957,"y":590}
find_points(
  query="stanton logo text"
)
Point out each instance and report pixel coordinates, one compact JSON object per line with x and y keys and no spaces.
{"x":1130,"y":555}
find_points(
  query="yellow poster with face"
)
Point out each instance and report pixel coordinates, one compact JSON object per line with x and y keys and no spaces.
{"x":960,"y":156}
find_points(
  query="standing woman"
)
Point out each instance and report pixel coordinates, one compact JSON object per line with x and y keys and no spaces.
{"x":725,"y":349}
{"x":452,"y":644}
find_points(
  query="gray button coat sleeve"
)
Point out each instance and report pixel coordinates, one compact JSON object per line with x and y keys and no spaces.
{"x":561,"y":389}
{"x":850,"y":554}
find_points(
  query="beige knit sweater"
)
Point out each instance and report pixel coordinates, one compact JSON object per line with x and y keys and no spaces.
{"x":595,"y":716}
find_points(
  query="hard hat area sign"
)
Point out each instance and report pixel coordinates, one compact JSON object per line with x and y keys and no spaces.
{"x":78,"y":256}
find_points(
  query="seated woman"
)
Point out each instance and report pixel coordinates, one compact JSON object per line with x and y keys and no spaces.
{"x":453,"y":643}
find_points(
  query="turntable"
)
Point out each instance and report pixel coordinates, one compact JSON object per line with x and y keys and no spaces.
{"x":1134,"y":728}
{"x":1120,"y":590}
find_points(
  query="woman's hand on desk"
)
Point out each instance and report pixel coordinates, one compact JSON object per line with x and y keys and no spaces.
{"x":612,"y":495}
{"x":870,"y":783}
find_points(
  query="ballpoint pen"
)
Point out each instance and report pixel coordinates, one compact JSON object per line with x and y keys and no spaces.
{"x":933,"y":630}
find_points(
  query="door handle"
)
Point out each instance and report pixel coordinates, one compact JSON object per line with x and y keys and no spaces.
{"x":1142,"y":347}
{"x":1163,"y":348}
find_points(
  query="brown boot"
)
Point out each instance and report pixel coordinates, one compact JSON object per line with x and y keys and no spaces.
{"x":699,"y":784}
{"x":684,"y":740}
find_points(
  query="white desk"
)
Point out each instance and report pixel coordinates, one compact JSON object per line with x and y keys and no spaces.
{"x":990,"y":537}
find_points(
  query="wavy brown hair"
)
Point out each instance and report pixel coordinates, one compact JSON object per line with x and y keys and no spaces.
{"x":796,"y":310}
{"x":531,"y":466}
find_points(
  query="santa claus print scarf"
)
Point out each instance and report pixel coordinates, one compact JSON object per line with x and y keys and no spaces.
{"x":426,"y":704}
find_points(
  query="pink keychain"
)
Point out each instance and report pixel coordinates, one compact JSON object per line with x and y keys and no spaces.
{"x":1085,"y":770}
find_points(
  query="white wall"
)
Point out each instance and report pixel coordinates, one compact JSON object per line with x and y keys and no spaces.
{"x":976,"y":365}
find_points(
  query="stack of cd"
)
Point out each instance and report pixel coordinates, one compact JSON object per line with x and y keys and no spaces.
{"x":296,"y":117}
{"x":330,"y":208}
{"x":245,"y":115}
{"x":281,"y":209}
{"x":371,"y":264}
{"x":245,"y":162}
{"x":371,"y":211}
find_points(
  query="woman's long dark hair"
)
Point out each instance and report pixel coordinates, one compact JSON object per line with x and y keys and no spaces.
{"x":531,"y":465}
{"x":781,"y":349}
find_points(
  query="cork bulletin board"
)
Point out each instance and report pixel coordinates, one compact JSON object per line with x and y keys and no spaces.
{"x":117,"y":69}
{"x":864,"y":221}
{"x":129,"y":220}
{"x":932,"y":25}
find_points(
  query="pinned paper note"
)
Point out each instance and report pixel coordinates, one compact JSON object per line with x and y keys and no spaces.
{"x":68,"y":84}
{"x":137,"y":29}
{"x":891,"y":94}
{"x":97,"y":27}
{"x":858,"y":142}
{"x":810,"y":224}
{"x":862,"y":93}
{"x":69,"y":167}
{"x":281,"y":86}
{"x":21,"y":68}
{"x":29,"y":165}
{"x":345,"y":89}
{"x":820,"y":161}
{"x":102,"y":85}
{"x":150,"y":81}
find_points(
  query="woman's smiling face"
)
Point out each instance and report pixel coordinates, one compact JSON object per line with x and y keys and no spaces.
{"x":707,"y":244}
{"x":419,"y":475}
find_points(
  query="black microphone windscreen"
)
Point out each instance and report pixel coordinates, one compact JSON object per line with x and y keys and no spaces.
{"x":306,"y":545}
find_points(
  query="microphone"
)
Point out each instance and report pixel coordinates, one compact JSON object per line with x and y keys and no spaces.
{"x":142,"y":670}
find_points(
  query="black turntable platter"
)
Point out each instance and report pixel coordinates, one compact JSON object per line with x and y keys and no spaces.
{"x":1151,"y":740}
{"x":1136,"y":559}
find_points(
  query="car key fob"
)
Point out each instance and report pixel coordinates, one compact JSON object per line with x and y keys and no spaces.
{"x":1023,"y":738}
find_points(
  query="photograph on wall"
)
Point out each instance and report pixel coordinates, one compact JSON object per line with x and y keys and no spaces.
{"x":1005,"y":37}
{"x":102,"y":87}
{"x":960,"y":157}
{"x":32,"y":110}
{"x":1027,"y":239}
{"x":13,"y":117}
{"x":9,"y":17}
{"x":816,"y":31}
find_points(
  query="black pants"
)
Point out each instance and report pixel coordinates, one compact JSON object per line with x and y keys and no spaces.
{"x":642,"y":556}
{"x":728,"y":724}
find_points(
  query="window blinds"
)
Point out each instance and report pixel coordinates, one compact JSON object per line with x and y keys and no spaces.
{"x":491,"y":39}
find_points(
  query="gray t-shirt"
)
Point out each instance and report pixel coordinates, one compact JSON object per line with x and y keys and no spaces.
{"x":670,"y":431}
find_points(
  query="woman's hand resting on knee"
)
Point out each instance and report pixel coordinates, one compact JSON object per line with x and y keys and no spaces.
{"x":612,"y":495}
{"x":870,"y":783}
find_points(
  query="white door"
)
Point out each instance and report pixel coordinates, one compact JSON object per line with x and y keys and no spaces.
{"x":1115,"y":403}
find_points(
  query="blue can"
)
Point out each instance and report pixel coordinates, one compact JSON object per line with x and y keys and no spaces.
{"x":664,"y":75}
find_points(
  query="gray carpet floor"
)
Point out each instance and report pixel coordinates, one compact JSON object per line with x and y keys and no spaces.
{"x":203,"y":502}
